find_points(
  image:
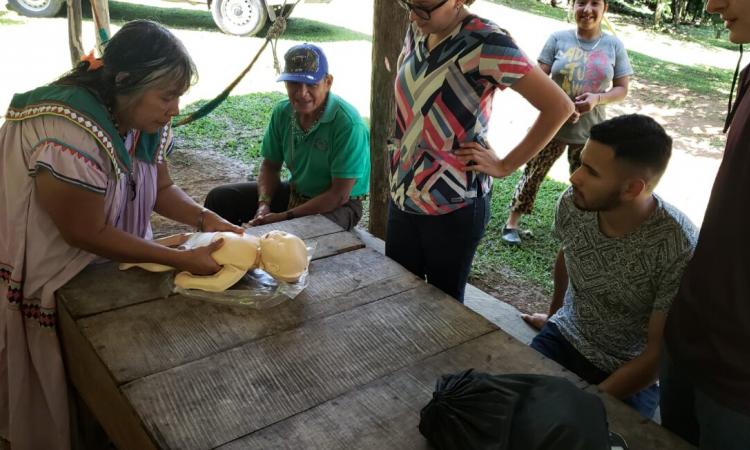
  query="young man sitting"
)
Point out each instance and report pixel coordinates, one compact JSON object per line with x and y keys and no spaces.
{"x":622,"y":256}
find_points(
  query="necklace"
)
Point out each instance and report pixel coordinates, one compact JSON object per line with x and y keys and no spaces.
{"x":592,"y":48}
{"x":306,"y":130}
{"x":130,"y":176}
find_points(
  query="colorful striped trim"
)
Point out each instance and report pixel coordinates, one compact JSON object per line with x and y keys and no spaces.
{"x":66,"y":148}
{"x":67,"y":179}
{"x":166,"y":145}
{"x":30,"y":308}
{"x":83,"y":121}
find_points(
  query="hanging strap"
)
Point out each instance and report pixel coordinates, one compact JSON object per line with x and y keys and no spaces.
{"x":274,"y":32}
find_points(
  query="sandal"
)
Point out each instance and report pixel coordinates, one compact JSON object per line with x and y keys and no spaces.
{"x":511,"y":236}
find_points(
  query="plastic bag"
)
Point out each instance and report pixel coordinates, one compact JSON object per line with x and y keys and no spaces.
{"x":257,"y":289}
{"x":472,"y":410}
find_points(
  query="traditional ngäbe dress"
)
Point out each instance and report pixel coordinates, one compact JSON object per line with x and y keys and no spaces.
{"x":68,"y":132}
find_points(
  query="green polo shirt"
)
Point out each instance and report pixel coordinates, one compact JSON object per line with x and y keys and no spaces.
{"x":338,"y":146}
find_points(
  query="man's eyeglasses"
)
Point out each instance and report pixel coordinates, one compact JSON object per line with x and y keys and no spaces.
{"x":421,"y":12}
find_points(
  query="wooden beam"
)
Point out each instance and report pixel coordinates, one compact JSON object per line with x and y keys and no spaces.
{"x":74,"y":31}
{"x":387,"y":39}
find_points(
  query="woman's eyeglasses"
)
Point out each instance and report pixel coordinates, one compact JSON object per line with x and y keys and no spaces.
{"x":421,"y":12}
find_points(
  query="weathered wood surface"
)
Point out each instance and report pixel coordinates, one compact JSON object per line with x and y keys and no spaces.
{"x":88,"y":294}
{"x":189,"y":329}
{"x":347,"y":364}
{"x":98,"y":390}
{"x":384,"y":414}
{"x":230,"y":394}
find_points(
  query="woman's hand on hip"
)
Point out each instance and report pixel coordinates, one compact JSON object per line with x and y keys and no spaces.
{"x":482,"y":159}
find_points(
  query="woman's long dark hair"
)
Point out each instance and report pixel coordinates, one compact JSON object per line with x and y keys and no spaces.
{"x":141,"y":55}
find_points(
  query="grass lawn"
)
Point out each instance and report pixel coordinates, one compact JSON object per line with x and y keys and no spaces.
{"x":5,"y":20}
{"x":535,"y":257}
{"x":235,"y":128}
{"x":698,"y":79}
{"x":297,"y":29}
{"x":702,"y":34}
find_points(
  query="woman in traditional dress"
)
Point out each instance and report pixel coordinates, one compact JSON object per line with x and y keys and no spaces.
{"x":451,"y":65}
{"x":82,"y":166}
{"x":593,"y":69}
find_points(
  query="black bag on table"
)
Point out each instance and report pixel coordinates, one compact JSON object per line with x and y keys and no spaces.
{"x":478,"y":411}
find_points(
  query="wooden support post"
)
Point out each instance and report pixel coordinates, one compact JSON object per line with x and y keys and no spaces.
{"x":387,"y":39}
{"x":74,"y":31}
{"x":100,"y":13}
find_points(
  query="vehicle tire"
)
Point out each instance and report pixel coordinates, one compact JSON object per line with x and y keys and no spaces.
{"x":36,"y":8}
{"x":239,"y":17}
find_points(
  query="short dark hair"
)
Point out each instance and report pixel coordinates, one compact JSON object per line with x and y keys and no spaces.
{"x":637,"y":139}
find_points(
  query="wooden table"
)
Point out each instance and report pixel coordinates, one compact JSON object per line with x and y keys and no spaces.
{"x":347,"y":364}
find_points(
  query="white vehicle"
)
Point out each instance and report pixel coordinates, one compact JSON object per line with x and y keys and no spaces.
{"x":240,"y":17}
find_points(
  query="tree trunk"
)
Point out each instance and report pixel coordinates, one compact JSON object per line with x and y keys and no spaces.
{"x":679,"y":7}
{"x":74,"y":31}
{"x":387,"y":39}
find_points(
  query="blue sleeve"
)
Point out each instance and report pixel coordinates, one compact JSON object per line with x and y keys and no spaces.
{"x":622,"y":62}
{"x":547,"y":55}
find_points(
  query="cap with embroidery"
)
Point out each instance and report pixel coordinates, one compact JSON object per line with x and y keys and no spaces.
{"x":304,"y":63}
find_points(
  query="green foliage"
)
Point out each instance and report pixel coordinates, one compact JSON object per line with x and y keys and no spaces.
{"x":297,"y":29}
{"x":534,"y":258}
{"x":235,"y":128}
{"x":6,"y":20}
{"x":698,"y":79}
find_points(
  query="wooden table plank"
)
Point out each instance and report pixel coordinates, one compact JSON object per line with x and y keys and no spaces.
{"x":220,"y":398}
{"x":385,"y":413}
{"x":189,"y":329}
{"x":305,"y":227}
{"x":98,"y":390}
{"x":102,"y":287}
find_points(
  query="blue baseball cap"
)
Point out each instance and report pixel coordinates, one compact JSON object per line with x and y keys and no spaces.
{"x":304,"y":63}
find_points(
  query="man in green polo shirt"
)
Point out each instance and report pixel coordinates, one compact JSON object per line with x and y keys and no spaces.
{"x":324,"y":144}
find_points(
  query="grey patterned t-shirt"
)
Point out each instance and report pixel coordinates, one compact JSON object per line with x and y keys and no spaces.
{"x":614,"y":284}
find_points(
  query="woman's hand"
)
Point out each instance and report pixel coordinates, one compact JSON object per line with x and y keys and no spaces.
{"x":482,"y":159}
{"x":586,"y":102}
{"x":199,"y":261}
{"x":214,"y":222}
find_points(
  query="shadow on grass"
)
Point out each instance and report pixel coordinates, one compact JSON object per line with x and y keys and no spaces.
{"x":298,"y":29}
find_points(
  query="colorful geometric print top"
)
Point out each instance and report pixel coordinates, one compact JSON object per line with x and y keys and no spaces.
{"x":443,"y":98}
